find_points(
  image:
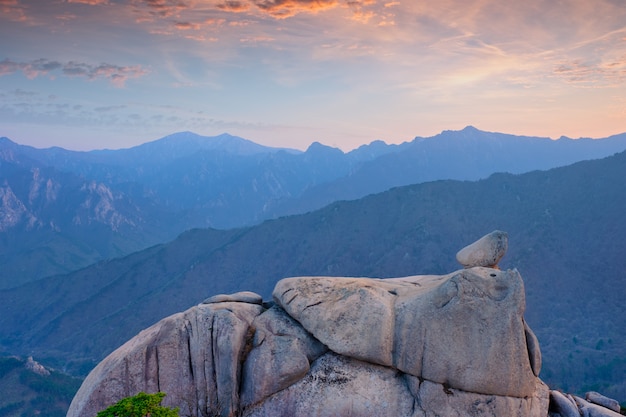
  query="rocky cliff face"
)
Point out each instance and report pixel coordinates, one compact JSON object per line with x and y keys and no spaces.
{"x":451,"y":345}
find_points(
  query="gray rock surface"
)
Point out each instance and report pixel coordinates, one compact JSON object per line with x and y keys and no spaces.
{"x":563,"y":405}
{"x":438,"y":400}
{"x":588,"y":409}
{"x":340,"y":386}
{"x":486,"y":251}
{"x":464,"y":329}
{"x":420,"y":346}
{"x":599,"y":399}
{"x":194,"y":357}
{"x":281,"y":355}
{"x":242,"y":297}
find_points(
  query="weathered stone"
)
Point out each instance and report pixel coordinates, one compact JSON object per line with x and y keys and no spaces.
{"x":599,"y":399}
{"x":352,"y":316}
{"x":486,"y":251}
{"x":193,"y":356}
{"x":464,"y":329}
{"x":441,"y":400}
{"x":34,"y":366}
{"x":241,"y":297}
{"x":454,"y":345}
{"x":588,"y":409}
{"x":534,"y":353}
{"x":340,"y":386}
{"x":281,"y":355}
{"x":564,"y":406}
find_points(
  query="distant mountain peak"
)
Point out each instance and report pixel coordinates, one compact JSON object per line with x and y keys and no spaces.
{"x":470,"y":128}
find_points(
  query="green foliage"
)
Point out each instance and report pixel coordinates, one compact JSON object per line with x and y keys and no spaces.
{"x":140,"y":405}
{"x":8,"y":364}
{"x":56,"y":385}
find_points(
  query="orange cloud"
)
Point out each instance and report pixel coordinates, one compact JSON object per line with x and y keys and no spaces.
{"x":362,"y":16}
{"x":12,"y":10}
{"x":282,"y":9}
{"x":234,"y":6}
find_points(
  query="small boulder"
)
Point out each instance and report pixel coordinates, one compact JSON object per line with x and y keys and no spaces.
{"x":563,"y":405}
{"x":597,"y":398}
{"x":588,"y":409}
{"x":238,"y":297}
{"x":486,"y":251}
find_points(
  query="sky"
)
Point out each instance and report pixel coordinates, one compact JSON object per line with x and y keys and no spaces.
{"x":94,"y":74}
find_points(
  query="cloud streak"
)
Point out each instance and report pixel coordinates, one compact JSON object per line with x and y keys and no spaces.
{"x":115,"y":74}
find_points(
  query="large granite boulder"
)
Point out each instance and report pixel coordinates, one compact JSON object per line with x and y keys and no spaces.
{"x":194,"y":357}
{"x":465,"y":329}
{"x":450,"y":345}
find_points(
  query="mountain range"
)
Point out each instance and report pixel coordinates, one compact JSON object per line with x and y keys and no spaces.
{"x":63,"y":210}
{"x":566,"y":227}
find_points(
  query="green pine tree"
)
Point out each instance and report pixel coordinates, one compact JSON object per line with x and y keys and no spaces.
{"x":140,"y":405}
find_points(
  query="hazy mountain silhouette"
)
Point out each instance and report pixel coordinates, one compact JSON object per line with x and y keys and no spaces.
{"x":62,"y":210}
{"x":566,"y":229}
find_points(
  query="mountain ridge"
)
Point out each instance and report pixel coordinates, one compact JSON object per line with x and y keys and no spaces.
{"x":109,"y":203}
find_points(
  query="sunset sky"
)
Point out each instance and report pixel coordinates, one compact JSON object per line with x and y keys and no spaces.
{"x":90,"y":74}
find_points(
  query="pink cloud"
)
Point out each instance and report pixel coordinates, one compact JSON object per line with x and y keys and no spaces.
{"x":581,"y":73}
{"x":13,"y":10}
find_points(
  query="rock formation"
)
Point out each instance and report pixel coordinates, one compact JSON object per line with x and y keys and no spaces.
{"x":486,"y":251}
{"x":451,"y":345}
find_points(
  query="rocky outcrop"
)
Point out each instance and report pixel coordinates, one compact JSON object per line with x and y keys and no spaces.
{"x":450,"y":345}
{"x":593,"y":405}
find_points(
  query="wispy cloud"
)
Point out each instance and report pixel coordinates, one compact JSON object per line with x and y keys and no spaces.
{"x":592,"y":74}
{"x":117,"y":75}
{"x":13,"y":10}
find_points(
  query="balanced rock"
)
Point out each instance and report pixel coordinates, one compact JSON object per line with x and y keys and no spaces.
{"x":452,"y":345}
{"x":486,"y":251}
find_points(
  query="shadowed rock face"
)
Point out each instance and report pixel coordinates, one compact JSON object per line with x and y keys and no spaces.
{"x":453,"y":345}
